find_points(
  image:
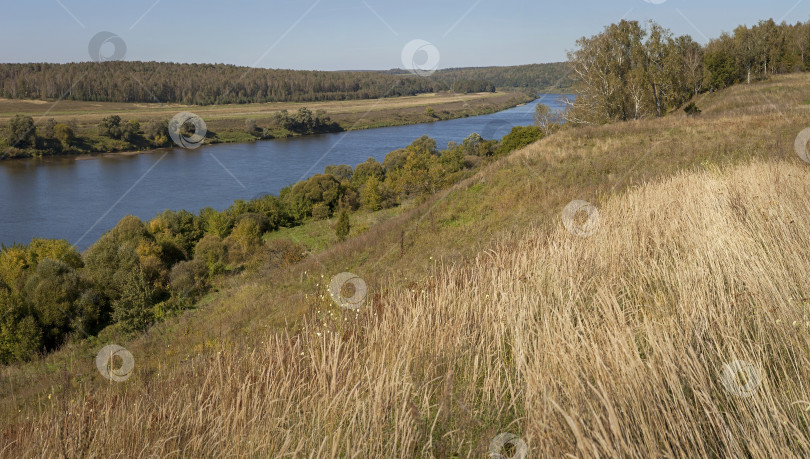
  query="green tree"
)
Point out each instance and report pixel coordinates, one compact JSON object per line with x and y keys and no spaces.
{"x":157,"y":131}
{"x":52,"y":292}
{"x":364,"y":170}
{"x":48,"y":129}
{"x":20,"y":334}
{"x":21,"y":132}
{"x":64,"y":134}
{"x":216,"y":223}
{"x":372,"y":198}
{"x":341,"y":172}
{"x":132,"y":311}
{"x":519,"y":137}
{"x":110,"y":126}
{"x":343,"y":225}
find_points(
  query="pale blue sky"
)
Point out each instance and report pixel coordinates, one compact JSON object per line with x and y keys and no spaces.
{"x":351,"y":34}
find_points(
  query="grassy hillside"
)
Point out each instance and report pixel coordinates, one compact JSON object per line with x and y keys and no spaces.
{"x":486,"y":316}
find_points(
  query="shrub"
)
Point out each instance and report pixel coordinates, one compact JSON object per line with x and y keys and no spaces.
{"x":64,"y":134}
{"x":21,"y":132}
{"x":284,"y":252}
{"x":244,"y":240}
{"x":320,"y":211}
{"x":343,"y":225}
{"x":519,"y":137}
{"x":691,"y":109}
{"x":132,"y":311}
{"x":188,"y":278}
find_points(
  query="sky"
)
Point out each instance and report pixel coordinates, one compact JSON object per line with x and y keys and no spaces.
{"x":351,"y":34}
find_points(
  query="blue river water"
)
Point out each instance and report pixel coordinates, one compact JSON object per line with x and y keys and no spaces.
{"x":78,"y":200}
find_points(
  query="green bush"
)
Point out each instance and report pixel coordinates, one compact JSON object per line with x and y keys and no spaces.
{"x":519,"y":137}
{"x":21,"y":132}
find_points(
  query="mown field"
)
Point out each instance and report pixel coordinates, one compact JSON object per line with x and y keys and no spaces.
{"x":486,"y":316}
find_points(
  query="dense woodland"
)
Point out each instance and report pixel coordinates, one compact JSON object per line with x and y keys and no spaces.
{"x":140,"y":272}
{"x":536,"y":77}
{"x":632,"y":71}
{"x":206,"y":84}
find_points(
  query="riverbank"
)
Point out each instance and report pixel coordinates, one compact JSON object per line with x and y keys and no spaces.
{"x":229,"y":123}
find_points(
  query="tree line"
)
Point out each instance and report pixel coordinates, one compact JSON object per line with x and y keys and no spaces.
{"x":141,"y":272}
{"x":207,"y":84}
{"x":633,"y":71}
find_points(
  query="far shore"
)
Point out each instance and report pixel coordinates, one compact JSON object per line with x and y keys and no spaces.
{"x":227,"y":122}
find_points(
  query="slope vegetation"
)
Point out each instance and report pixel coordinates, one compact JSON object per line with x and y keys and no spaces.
{"x":677,"y":328}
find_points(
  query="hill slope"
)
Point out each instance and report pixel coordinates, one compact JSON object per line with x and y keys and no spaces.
{"x":486,"y":316}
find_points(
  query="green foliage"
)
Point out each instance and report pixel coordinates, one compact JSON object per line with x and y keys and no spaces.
{"x":343,"y":225}
{"x":720,"y":65}
{"x":631,"y":72}
{"x":216,"y":223}
{"x":212,"y":252}
{"x":244,"y":240}
{"x":519,"y":137}
{"x":206,"y":84}
{"x":371,"y":193}
{"x":423,"y":144}
{"x":364,"y":171}
{"x":157,"y":131}
{"x":52,"y":291}
{"x":114,"y":128}
{"x":395,"y":160}
{"x":64,"y":134}
{"x":132,"y":310}
{"x":188,"y":278}
{"x":301,"y":197}
{"x":20,"y":334}
{"x":341,"y":172}
{"x":691,"y":109}
{"x":305,"y":122}
{"x":21,"y":132}
{"x":47,"y":130}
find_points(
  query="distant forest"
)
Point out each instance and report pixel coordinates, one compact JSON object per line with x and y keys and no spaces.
{"x":207,"y":84}
{"x":537,"y":77}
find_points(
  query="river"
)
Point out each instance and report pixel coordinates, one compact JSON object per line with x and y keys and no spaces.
{"x":78,"y":200}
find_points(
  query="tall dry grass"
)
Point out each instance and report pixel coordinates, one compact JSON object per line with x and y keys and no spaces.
{"x":610,"y":345}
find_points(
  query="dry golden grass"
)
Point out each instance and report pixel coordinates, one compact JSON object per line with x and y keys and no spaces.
{"x":611,"y":345}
